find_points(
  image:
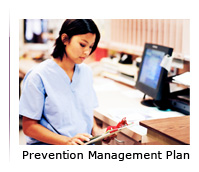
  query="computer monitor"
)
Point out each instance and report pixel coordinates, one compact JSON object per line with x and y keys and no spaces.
{"x":152,"y":78}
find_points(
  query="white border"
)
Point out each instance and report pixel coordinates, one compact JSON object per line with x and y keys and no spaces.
{"x":16,"y":10}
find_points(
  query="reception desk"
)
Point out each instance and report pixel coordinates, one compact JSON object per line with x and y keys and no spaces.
{"x":117,"y":100}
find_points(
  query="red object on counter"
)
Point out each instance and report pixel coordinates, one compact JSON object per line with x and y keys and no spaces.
{"x":122,"y":123}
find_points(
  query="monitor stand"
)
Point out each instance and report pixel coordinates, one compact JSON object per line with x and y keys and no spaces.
{"x":160,"y":104}
{"x":148,"y":102}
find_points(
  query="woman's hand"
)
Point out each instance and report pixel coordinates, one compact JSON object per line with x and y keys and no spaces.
{"x":79,"y":139}
{"x":33,"y":129}
{"x":108,"y":139}
{"x":99,"y":131}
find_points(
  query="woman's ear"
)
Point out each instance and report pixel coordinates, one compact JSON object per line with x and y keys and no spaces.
{"x":64,"y":38}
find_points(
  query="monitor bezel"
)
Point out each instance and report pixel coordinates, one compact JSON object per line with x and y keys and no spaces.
{"x":159,"y":92}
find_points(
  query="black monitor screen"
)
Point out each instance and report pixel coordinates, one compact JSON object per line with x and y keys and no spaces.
{"x":152,"y":77}
{"x":151,"y":68}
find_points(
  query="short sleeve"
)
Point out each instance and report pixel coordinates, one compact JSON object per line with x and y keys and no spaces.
{"x":32,"y":98}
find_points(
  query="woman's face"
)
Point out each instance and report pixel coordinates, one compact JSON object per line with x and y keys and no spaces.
{"x":79,"y":47}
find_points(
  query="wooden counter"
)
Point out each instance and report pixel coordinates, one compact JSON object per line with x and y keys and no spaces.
{"x":174,"y":130}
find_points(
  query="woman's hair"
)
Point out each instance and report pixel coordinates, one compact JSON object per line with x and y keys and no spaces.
{"x":73,"y":27}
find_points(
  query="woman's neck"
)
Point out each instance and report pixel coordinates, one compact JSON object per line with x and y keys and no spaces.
{"x":66,"y":65}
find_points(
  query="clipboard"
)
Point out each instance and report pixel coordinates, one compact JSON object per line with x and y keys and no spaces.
{"x":101,"y":137}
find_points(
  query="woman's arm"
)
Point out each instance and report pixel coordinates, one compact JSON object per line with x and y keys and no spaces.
{"x":35,"y":130}
{"x":96,"y":129}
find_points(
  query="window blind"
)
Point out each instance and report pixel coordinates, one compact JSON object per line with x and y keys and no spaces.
{"x":132,"y":34}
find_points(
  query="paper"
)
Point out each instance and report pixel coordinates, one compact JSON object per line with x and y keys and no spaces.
{"x":182,"y":79}
{"x":166,"y":62}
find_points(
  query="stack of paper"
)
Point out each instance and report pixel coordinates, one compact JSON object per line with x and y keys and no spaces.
{"x":183,"y":79}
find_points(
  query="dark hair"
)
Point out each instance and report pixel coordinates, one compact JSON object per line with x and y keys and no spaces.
{"x":75,"y":27}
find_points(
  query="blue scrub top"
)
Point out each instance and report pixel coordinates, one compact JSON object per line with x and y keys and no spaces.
{"x":60,"y":105}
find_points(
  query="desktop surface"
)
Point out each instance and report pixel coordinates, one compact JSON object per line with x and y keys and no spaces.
{"x":178,"y":131}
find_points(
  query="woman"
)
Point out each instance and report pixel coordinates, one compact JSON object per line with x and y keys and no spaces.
{"x":58,"y":99}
